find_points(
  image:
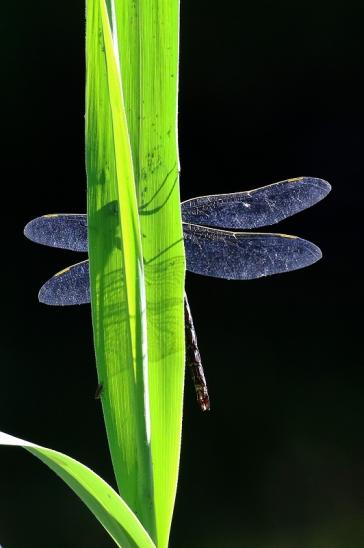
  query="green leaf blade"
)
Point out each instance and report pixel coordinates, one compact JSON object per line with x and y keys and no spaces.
{"x":107,"y":506}
{"x":116,"y":271}
{"x":148,"y":35}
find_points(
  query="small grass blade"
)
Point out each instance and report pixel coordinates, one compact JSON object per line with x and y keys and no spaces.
{"x":106,"y":505}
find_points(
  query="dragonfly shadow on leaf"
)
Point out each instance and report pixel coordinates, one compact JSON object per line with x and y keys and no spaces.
{"x":155,"y":209}
{"x":161,"y":275}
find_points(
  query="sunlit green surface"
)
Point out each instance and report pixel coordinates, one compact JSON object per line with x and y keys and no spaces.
{"x":146,"y":36}
{"x":116,"y":268}
{"x":101,"y":499}
{"x":150,"y":74}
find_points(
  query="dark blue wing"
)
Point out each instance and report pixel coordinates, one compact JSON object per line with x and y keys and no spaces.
{"x":255,"y":208}
{"x":241,"y":210}
{"x":211,"y":252}
{"x":68,"y":287}
{"x":66,"y":231}
{"x":244,"y":255}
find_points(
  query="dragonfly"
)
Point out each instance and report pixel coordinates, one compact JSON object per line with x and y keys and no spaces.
{"x":215,"y":245}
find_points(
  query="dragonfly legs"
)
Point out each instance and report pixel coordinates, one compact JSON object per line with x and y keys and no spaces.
{"x":99,"y":391}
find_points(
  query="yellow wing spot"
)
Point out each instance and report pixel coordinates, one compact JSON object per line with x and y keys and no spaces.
{"x":288,"y":236}
{"x":295,"y":179}
{"x":63,"y":271}
{"x":51,"y":215}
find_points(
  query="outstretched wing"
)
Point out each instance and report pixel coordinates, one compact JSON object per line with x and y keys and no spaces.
{"x":241,"y":210}
{"x":255,"y":208}
{"x":244,"y":256}
{"x":68,"y":287}
{"x":63,"y":230}
{"x":209,"y":251}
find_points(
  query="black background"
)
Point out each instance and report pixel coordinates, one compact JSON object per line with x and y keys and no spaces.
{"x":268,"y":91}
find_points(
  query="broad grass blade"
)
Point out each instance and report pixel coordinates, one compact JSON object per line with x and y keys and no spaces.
{"x":116,"y":270}
{"x":148,"y":34}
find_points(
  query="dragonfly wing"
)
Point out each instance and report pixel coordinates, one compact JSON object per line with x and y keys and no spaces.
{"x":244,"y":256}
{"x":66,"y":231}
{"x":68,"y":287}
{"x":260,"y":207}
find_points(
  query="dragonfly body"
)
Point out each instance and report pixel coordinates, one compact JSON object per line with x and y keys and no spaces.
{"x":193,"y":361}
{"x":209,"y":250}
